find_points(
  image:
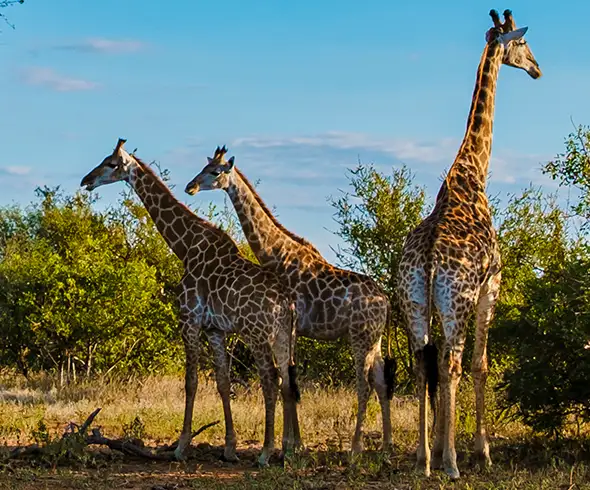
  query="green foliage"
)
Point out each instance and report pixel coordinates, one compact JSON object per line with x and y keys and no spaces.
{"x":549,"y":381}
{"x":85,"y":290}
{"x":374,"y":220}
{"x":572,"y":168}
{"x":532,"y":238}
{"x":545,"y":323}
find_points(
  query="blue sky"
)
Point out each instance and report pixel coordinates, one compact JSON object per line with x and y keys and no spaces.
{"x":298,"y":91}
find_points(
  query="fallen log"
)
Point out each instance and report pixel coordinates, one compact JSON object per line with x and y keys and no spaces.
{"x":125,"y":446}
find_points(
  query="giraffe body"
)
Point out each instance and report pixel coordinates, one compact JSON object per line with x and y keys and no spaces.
{"x":450,"y":266}
{"x":331,"y":303}
{"x":220,"y":293}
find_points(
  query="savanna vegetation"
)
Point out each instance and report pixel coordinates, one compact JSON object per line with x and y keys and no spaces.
{"x":88,"y":319}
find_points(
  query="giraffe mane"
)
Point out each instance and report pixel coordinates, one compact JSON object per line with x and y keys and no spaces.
{"x":264,"y":207}
{"x":202,"y":221}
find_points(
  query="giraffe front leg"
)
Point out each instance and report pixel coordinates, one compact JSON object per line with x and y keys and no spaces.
{"x":479,"y":365}
{"x":190,"y":334}
{"x":217,"y":343}
{"x":269,"y":380}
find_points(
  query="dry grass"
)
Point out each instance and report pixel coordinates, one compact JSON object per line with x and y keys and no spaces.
{"x":327,"y":418}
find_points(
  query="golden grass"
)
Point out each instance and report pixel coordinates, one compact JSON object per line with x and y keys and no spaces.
{"x":327,"y":417}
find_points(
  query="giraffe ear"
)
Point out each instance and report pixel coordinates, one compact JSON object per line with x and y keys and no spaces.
{"x":209,"y":160}
{"x":513,"y":35}
{"x":230,"y":164}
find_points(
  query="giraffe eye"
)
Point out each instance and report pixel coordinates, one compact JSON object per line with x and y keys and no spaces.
{"x":215,"y":173}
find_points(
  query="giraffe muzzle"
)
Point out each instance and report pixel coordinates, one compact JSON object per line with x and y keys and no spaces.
{"x":192,"y":188}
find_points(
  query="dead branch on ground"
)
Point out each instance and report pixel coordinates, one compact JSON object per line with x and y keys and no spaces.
{"x":129,"y":447}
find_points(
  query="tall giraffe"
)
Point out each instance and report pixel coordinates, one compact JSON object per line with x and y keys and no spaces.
{"x":220,"y":292}
{"x":451,"y":263}
{"x":331,"y":302}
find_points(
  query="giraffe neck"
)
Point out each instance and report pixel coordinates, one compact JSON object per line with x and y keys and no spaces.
{"x":179,"y":226}
{"x":270,"y":241}
{"x":474,"y":155}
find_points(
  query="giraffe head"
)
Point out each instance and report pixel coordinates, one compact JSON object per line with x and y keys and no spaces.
{"x":517,"y":52}
{"x":215,"y":175}
{"x":114,"y":168}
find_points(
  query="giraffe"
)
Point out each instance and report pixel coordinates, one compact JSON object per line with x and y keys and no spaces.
{"x":330,"y":302}
{"x":220,"y":292}
{"x":451,"y":263}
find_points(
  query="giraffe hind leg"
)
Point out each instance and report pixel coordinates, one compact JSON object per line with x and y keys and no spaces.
{"x":383,"y":393}
{"x":289,"y":392}
{"x":217,"y":343}
{"x":363,"y":357}
{"x":479,"y":366}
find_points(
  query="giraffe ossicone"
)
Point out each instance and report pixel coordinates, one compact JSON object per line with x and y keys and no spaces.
{"x":221,"y":293}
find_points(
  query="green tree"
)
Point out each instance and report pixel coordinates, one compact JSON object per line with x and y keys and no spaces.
{"x":548,"y":382}
{"x":373,"y":220}
{"x":572,"y":169}
{"x":544,"y":323}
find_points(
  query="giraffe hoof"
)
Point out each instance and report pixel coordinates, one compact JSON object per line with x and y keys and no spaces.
{"x":357,"y":448}
{"x":229,"y":458}
{"x":483,"y":460}
{"x":262,"y":462}
{"x":453,"y":473}
{"x":423,"y":467}
{"x":179,"y":454}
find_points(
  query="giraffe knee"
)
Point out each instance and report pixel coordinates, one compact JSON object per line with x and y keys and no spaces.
{"x":452,"y":366}
{"x":479,"y":370}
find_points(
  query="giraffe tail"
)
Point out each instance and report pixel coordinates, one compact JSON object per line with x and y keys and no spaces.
{"x":390,"y":364}
{"x":431,"y":366}
{"x":293,"y":386}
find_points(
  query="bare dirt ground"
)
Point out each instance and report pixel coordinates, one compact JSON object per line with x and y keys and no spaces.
{"x":527,"y":466}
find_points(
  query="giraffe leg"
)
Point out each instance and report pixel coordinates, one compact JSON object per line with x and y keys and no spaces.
{"x":450,"y":376}
{"x":479,"y":366}
{"x":269,"y":380}
{"x":283,"y":358}
{"x":423,"y":451}
{"x":415,"y":304}
{"x":439,"y":433}
{"x":217,"y":343}
{"x":191,"y":347}
{"x":378,"y":376}
{"x":363,"y":363}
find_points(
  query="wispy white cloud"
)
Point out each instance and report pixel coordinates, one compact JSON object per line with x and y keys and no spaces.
{"x":102,"y":45}
{"x":316,"y":155}
{"x":298,"y":172}
{"x":400,"y":148}
{"x":509,"y":167}
{"x":15,"y":170}
{"x":49,"y":78}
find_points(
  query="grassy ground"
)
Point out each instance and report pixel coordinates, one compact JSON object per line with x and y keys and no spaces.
{"x":151,"y":409}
